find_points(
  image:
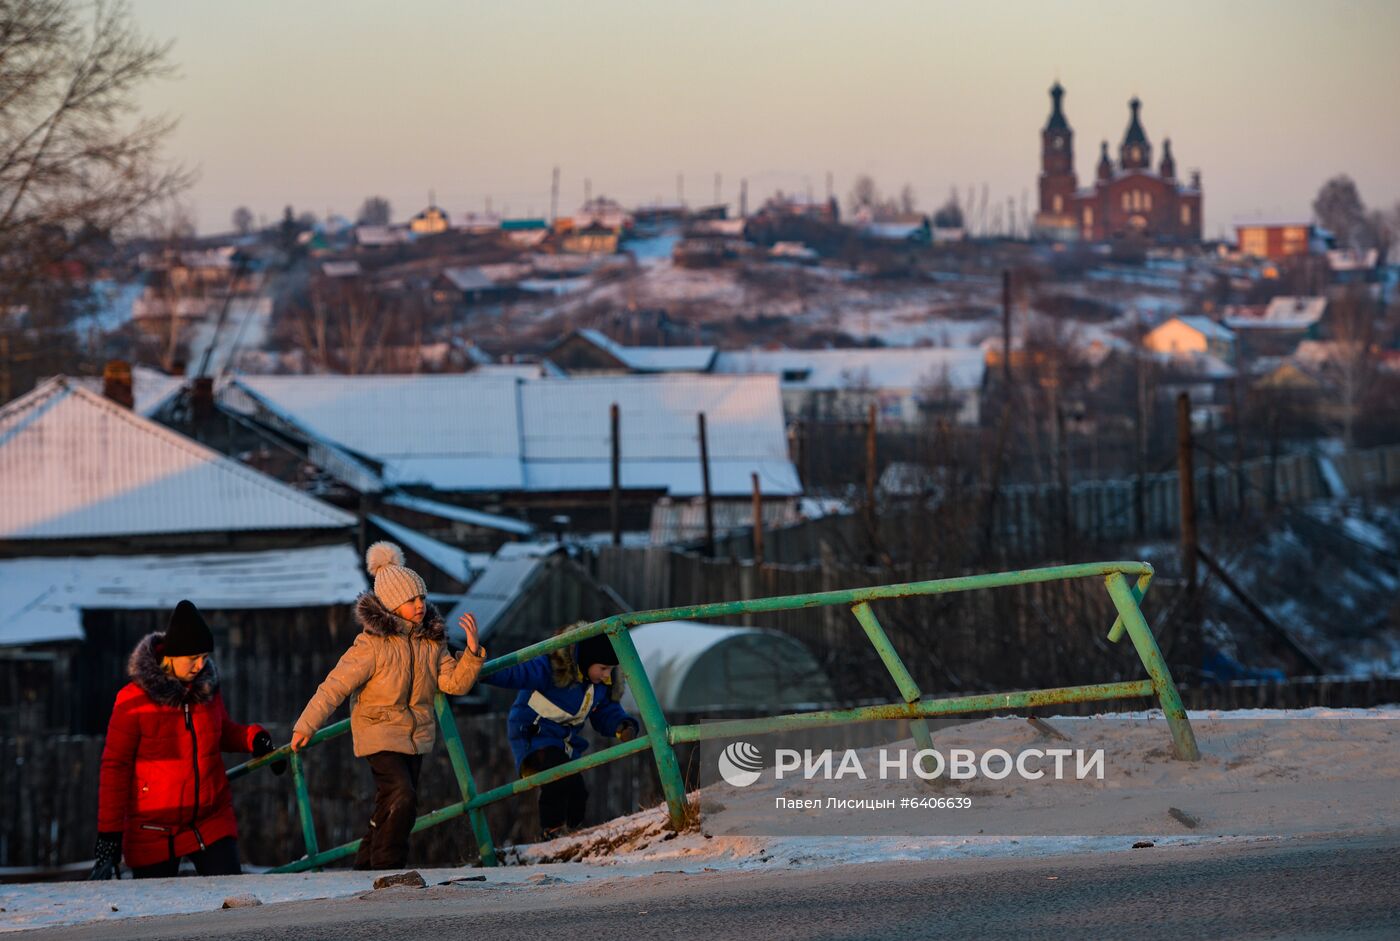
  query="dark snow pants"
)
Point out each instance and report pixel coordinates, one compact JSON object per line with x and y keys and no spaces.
{"x":563,"y":801}
{"x":220,"y":859}
{"x":385,"y":844}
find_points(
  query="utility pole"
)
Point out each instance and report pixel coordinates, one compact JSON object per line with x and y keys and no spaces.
{"x":870,"y":470}
{"x":1006,"y":329}
{"x":587,"y":191}
{"x":554,"y":198}
{"x":1187,"y":490}
{"x":718,"y":180}
{"x":616,"y":496}
{"x":757,"y":522}
{"x":743,"y":199}
{"x":680,"y":189}
{"x":705,"y":484}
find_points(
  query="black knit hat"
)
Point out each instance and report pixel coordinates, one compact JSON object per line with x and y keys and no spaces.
{"x":187,"y":635}
{"x":597,"y":649}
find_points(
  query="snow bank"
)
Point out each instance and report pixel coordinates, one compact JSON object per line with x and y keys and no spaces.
{"x":1264,"y":774}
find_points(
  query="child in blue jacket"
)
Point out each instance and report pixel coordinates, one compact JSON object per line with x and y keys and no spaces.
{"x":558,"y":692}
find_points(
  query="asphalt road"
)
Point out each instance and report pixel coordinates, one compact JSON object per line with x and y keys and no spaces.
{"x":1298,"y":889}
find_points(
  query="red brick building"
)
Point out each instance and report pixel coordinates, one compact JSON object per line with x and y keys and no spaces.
{"x":1128,"y":198}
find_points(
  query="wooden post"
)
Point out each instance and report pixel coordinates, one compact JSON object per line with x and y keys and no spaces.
{"x":870,"y":469}
{"x":1006,"y":330}
{"x":757,"y":522}
{"x":615,"y":502}
{"x":705,"y":483}
{"x":1187,"y":489}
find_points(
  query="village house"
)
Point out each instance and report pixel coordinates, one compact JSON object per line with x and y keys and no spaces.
{"x":591,"y":353}
{"x":905,"y":384}
{"x":530,"y":449}
{"x":1279,"y":327}
{"x":1192,"y":334}
{"x":1279,"y":240}
{"x":108,"y":519}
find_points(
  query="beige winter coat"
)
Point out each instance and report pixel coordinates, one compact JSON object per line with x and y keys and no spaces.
{"x":391,"y":674}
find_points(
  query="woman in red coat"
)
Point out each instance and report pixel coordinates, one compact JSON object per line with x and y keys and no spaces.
{"x":163,"y":794}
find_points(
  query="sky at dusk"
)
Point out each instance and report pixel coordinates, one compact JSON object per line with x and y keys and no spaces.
{"x":320,"y":104}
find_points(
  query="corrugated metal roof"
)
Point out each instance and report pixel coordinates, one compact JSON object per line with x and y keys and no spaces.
{"x":448,"y":559}
{"x":75,"y":465}
{"x":461,"y":514}
{"x":469,"y":433}
{"x":503,"y":581}
{"x":42,"y":599}
{"x":654,"y":358}
{"x":889,"y":368}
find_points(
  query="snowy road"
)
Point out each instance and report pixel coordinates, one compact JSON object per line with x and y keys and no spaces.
{"x":1318,"y":888}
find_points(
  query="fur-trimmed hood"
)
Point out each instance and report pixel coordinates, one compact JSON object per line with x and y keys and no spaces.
{"x":563,"y":664}
{"x":378,"y":620}
{"x":143,"y":666}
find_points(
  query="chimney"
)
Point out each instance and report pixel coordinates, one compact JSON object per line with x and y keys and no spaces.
{"x":202,"y":397}
{"x":116,"y":382}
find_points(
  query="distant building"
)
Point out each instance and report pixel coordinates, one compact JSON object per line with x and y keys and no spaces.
{"x":1279,"y":240}
{"x":108,"y":519}
{"x":1280,"y":327}
{"x":1192,"y":334}
{"x":905,"y":384}
{"x":533,"y":447}
{"x":591,"y":353}
{"x":1128,"y":198}
{"x":430,"y":221}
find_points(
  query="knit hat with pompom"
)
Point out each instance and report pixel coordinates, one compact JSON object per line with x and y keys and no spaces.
{"x":394,"y":583}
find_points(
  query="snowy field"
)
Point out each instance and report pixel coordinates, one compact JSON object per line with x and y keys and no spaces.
{"x":1264,"y":775}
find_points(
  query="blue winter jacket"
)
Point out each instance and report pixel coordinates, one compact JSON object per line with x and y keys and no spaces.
{"x":554,"y":701}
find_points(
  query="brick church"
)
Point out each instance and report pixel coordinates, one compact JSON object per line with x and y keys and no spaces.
{"x":1128,"y":198}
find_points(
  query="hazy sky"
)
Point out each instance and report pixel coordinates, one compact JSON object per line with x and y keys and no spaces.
{"x":319,"y":104}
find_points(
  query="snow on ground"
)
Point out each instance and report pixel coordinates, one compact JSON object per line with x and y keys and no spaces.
{"x":1264,"y":774}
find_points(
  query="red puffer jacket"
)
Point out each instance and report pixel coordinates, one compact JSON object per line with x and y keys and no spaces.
{"x":163,"y":784}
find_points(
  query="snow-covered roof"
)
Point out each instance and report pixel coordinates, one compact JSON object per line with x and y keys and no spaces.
{"x":77,"y":465}
{"x":42,"y":598}
{"x":498,"y":587}
{"x":482,"y":433}
{"x":380,"y":235}
{"x":506,"y":524}
{"x":450,"y":560}
{"x":150,"y":388}
{"x":469,"y":279}
{"x":654,"y":358}
{"x":689,"y":667}
{"x":1207,"y":327}
{"x":1284,"y":313}
{"x":340,"y":269}
{"x":884,"y":368}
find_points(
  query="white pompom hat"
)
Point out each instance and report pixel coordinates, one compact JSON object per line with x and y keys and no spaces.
{"x":394,"y":583}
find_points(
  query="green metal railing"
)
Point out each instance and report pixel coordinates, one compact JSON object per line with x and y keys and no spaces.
{"x":661,"y":736}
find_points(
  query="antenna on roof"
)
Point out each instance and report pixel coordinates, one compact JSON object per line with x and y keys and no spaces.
{"x":554,"y":198}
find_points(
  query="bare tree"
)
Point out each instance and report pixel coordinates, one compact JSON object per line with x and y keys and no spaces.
{"x":908,"y":201}
{"x":243,"y":220}
{"x":864,"y":194}
{"x":375,"y":211}
{"x":1339,"y":208}
{"x":340,"y":325}
{"x":1355,"y":356}
{"x":74,"y":154}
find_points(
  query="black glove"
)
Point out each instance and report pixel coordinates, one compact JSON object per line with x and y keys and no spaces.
{"x":627,"y":730}
{"x":262,"y":745}
{"x":108,"y":855}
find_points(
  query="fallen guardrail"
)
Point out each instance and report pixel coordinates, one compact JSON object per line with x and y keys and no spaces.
{"x":661,"y":736}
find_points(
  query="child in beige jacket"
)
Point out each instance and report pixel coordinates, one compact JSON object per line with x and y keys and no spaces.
{"x":391,"y":675}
